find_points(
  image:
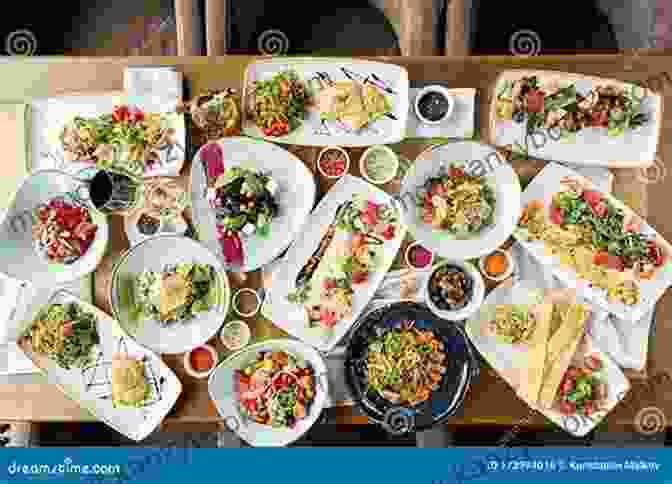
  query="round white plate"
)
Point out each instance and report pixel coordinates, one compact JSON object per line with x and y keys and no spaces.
{"x":478,"y":159}
{"x":18,"y":257}
{"x":222,"y":388}
{"x":295,"y":196}
{"x":154,"y":254}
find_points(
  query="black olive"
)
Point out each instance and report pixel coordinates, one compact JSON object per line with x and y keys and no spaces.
{"x":518,"y":116}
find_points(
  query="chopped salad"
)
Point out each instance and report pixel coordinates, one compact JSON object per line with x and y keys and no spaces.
{"x":66,"y":333}
{"x":277,"y":389}
{"x":582,"y":389}
{"x":456,"y":202}
{"x":63,"y":232}
{"x":176,"y":294}
{"x":278,"y":105}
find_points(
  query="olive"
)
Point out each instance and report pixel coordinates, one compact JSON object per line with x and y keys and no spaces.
{"x":518,"y":116}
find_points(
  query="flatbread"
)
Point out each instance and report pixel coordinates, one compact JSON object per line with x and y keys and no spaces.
{"x":537,"y":348}
{"x":129,"y":386}
{"x":174,"y":293}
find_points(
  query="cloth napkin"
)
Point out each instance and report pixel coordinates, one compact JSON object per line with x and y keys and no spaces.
{"x":460,"y":124}
{"x":625,"y":341}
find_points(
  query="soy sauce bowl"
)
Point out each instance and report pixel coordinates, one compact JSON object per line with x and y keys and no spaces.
{"x":475,"y":295}
{"x":441,"y":96}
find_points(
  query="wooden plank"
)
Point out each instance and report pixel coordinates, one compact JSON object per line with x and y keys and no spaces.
{"x":215,"y":27}
{"x":457,"y":17}
{"x":184,"y":20}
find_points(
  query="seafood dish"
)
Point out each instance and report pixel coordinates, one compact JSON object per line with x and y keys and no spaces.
{"x":276,"y":389}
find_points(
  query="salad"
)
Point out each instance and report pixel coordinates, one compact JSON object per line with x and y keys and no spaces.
{"x":140,"y":135}
{"x":582,"y":389}
{"x":63,"y":231}
{"x":348,"y":252}
{"x":601,"y":241}
{"x":65,"y":333}
{"x":278,"y":105}
{"x":559,"y":105}
{"x":245,"y":203}
{"x":277,"y":389}
{"x":456,"y":202}
{"x":513,"y":323}
{"x":178,"y":293}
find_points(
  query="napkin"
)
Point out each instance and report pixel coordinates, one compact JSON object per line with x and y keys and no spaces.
{"x":460,"y":124}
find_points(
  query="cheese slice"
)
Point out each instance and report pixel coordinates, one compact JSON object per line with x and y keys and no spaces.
{"x":537,"y":347}
{"x":174,"y":293}
{"x":129,"y":386}
{"x":561,"y":349}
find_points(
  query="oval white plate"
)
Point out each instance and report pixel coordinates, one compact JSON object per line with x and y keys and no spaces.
{"x":18,"y":257}
{"x":222,"y":389}
{"x":500,"y":176}
{"x":153,"y":254}
{"x":295,"y":196}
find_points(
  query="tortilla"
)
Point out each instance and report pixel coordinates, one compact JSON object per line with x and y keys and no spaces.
{"x":537,"y":348}
{"x":561,"y":348}
{"x":129,"y":386}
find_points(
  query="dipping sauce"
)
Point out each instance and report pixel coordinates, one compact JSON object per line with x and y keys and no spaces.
{"x":450,"y":288}
{"x":379,"y":166}
{"x":496,"y":264}
{"x":201,"y":360}
{"x":419,"y":257}
{"x":246,"y":302}
{"x":433,"y":106}
{"x":235,"y":335}
{"x":333,"y":163}
{"x":148,"y":225}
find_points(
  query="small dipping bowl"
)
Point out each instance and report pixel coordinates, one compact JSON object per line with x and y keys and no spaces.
{"x":409,"y":256}
{"x":200,"y":353}
{"x":386,"y":155}
{"x":344,"y":156}
{"x":235,"y":335}
{"x":509,"y":266}
{"x":472,"y":304}
{"x":434,"y":104}
{"x":149,"y":225}
{"x":236,"y":300}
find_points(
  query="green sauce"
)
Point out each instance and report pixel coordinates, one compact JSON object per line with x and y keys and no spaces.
{"x":379,"y":166}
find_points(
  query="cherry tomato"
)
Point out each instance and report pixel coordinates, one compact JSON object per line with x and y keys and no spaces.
{"x":454,"y":171}
{"x":535,"y":101}
{"x":136,"y":115}
{"x":556,"y":214}
{"x":589,"y":407}
{"x":67,"y":328}
{"x":591,"y":197}
{"x":594,"y":363}
{"x":329,"y":284}
{"x":572,"y":372}
{"x":120,"y":114}
{"x":600,"y":119}
{"x":359,"y":277}
{"x":389,"y":232}
{"x":601,"y":258}
{"x":567,"y":407}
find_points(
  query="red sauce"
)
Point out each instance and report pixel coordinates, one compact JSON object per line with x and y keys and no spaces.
{"x":201,"y":360}
{"x":333,"y":163}
{"x":420,"y":257}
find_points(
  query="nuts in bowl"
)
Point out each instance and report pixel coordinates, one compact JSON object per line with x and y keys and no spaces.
{"x":454,"y":290}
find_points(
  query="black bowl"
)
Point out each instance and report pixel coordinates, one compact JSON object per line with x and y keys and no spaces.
{"x":444,"y":402}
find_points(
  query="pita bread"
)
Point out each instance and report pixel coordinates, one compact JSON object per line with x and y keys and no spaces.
{"x":537,"y":348}
{"x":129,"y":386}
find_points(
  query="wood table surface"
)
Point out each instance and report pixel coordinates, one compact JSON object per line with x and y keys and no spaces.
{"x":490,"y":400}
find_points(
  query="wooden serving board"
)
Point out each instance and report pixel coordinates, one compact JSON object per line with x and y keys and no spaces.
{"x":592,"y":146}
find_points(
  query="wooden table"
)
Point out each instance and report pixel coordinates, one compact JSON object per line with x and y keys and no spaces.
{"x":490,"y":400}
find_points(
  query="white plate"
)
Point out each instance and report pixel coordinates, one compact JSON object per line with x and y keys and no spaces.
{"x":49,"y":116}
{"x":91,"y":387}
{"x":292,"y":317}
{"x":592,"y":146}
{"x":310,"y":133}
{"x":154,"y":254}
{"x":222,"y":389}
{"x":506,"y":358}
{"x":18,"y":258}
{"x":543,"y":187}
{"x":498,"y":174}
{"x":295,"y":196}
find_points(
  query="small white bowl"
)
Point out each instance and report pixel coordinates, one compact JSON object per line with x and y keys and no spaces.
{"x":478,"y":292}
{"x":330,"y":148}
{"x":200,"y":374}
{"x":510,"y":265}
{"x":407,"y":257}
{"x":158,"y":230}
{"x":245,"y":335}
{"x":440,"y":90}
{"x":393,"y":158}
{"x":235,"y":301}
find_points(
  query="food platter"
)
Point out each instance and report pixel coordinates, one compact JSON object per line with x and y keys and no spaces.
{"x":620,"y":146}
{"x":385,"y":125}
{"x":91,"y":383}
{"x":293,"y":317}
{"x":520,"y":362}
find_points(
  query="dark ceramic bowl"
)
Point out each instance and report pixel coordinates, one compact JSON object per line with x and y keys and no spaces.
{"x":445,"y":401}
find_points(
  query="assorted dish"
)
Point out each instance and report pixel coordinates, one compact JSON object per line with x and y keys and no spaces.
{"x":454,"y":290}
{"x":333,"y":162}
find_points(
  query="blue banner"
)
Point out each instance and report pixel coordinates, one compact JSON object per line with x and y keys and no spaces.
{"x":337,"y":465}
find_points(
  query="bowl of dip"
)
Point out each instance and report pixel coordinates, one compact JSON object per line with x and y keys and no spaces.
{"x":497,"y":266}
{"x":235,"y":335}
{"x":419,"y":257}
{"x":333,"y":162}
{"x":379,"y":164}
{"x":434,"y":104}
{"x":200,"y":361}
{"x":149,"y":225}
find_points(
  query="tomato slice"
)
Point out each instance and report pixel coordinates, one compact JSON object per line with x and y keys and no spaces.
{"x":600,"y":119}
{"x":567,"y":407}
{"x":601,"y":258}
{"x":535,"y":101}
{"x":454,"y":171}
{"x":594,"y":363}
{"x":615,"y":262}
{"x":556,"y":214}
